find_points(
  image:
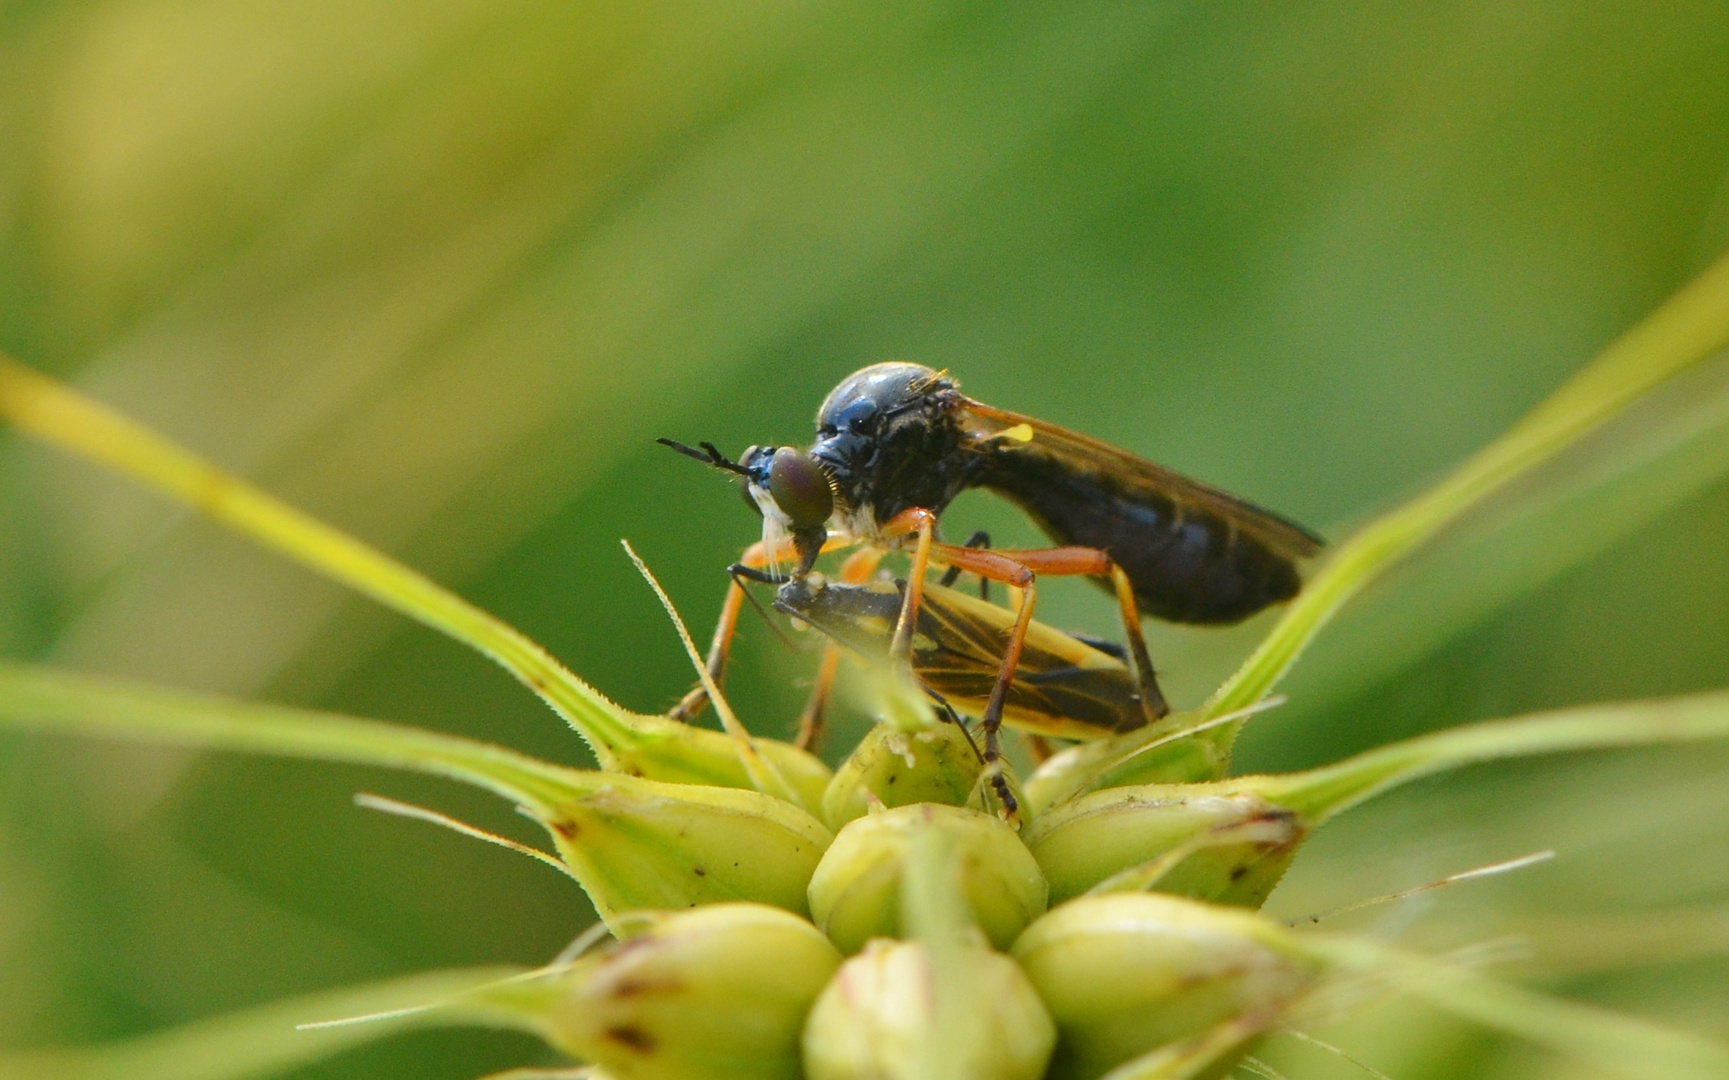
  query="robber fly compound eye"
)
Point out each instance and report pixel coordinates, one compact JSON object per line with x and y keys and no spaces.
{"x":800,"y":488}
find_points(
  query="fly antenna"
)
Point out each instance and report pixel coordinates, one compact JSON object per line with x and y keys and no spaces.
{"x":708,"y":455}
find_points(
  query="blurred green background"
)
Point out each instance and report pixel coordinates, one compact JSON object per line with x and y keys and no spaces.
{"x":441,"y":271}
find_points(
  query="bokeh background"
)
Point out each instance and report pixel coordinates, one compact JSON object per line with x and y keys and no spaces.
{"x":440,"y":271}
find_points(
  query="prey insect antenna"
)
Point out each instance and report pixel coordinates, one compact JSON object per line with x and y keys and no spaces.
{"x":762,"y":613}
{"x":1491,"y":870}
{"x":954,"y":718}
{"x":421,"y":813}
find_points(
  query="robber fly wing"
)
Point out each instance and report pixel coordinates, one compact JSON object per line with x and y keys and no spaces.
{"x":1195,"y":553}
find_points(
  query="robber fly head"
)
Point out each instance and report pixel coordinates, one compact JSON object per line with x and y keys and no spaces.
{"x":888,"y":438}
{"x":787,"y":486}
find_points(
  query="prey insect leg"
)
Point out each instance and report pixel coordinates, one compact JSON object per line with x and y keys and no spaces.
{"x":857,"y":569}
{"x":749,"y":564}
{"x":979,"y":539}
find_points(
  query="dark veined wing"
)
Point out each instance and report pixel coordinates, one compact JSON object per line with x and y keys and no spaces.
{"x":1194,"y":553}
{"x":1062,"y":686}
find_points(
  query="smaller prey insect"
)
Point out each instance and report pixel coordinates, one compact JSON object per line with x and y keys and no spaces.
{"x":1063,"y":687}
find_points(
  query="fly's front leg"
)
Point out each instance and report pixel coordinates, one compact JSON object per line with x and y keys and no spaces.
{"x":922,"y":524}
{"x":857,"y":570}
{"x":754,"y":558}
{"x":720,"y":648}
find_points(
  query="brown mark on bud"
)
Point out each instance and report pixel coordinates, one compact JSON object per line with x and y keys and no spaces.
{"x":632,"y":1038}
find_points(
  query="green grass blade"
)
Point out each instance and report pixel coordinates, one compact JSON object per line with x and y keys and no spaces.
{"x":57,"y":414}
{"x":47,"y":700}
{"x":1604,"y":1040}
{"x":264,"y":1041}
{"x":1320,"y":793}
{"x":1690,"y":326}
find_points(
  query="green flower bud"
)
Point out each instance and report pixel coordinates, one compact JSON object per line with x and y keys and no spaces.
{"x":1125,"y":974}
{"x":1196,"y":828}
{"x":854,"y":894}
{"x":722,"y":991}
{"x":1149,"y":755}
{"x":881,"y":1018}
{"x":636,"y":843}
{"x":894,"y":767}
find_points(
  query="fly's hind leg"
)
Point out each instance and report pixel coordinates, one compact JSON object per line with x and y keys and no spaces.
{"x":1153,"y":705}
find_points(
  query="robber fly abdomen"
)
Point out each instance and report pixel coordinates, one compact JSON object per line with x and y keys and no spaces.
{"x":1188,"y":564}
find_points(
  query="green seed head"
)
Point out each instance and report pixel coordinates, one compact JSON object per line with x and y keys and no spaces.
{"x":895,"y":767}
{"x":1198,"y":831}
{"x":1124,"y":974}
{"x":854,"y":894}
{"x":719,"y":991}
{"x":883,"y":1017}
{"x":637,"y":844}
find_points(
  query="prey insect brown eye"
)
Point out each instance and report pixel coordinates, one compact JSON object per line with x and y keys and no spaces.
{"x":800,"y":489}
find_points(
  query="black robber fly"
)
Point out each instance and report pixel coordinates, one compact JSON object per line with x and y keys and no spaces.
{"x":896,"y":443}
{"x":897,"y":436}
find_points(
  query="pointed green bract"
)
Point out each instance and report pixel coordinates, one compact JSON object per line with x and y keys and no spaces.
{"x":1083,"y":843}
{"x":630,"y":842}
{"x":1689,"y":327}
{"x":622,"y":741}
{"x":1320,"y":793}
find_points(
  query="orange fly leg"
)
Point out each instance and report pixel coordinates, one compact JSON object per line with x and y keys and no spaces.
{"x":1093,"y":562}
{"x":999,"y":566}
{"x":1153,"y":704}
{"x":921,"y":523}
{"x":1060,"y":561}
{"x":756,"y":557}
{"x":857,"y":570}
